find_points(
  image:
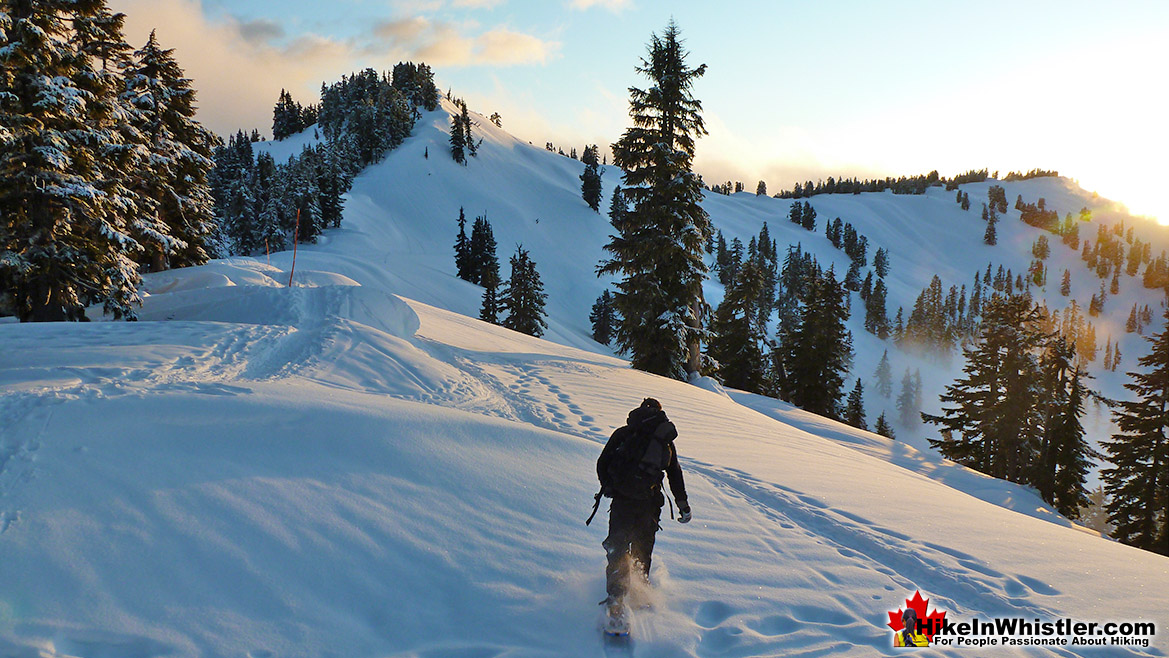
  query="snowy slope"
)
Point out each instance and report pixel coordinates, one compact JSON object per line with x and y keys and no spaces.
{"x":353,"y":467}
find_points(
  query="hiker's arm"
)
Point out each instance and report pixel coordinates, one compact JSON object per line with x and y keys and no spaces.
{"x":677,"y":485}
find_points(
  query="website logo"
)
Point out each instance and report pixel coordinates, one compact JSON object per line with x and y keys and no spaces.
{"x":912,"y":626}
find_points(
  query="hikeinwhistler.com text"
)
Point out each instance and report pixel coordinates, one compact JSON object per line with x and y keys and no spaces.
{"x":1016,"y":631}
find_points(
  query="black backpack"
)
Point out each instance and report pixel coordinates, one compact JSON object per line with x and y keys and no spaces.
{"x":636,"y":468}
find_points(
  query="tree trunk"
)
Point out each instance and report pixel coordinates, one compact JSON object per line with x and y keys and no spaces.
{"x":694,"y":362}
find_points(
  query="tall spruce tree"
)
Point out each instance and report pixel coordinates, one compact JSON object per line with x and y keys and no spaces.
{"x":617,"y":207}
{"x":884,"y":375}
{"x":523,"y":299}
{"x":604,"y":319}
{"x":907,"y":405}
{"x":817,"y":350}
{"x":64,"y":240}
{"x":466,"y":123}
{"x":590,"y":185}
{"x":883,"y":428}
{"x":1138,"y":481}
{"x":658,"y":246}
{"x":173,"y":181}
{"x":1073,"y":455}
{"x":994,"y":419}
{"x":489,"y":279}
{"x":854,"y":410}
{"x":458,"y":140}
{"x":482,"y":252}
{"x":738,"y":335}
{"x":463,"y":249}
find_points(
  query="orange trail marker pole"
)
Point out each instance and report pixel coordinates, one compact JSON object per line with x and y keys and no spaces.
{"x":295,"y":239}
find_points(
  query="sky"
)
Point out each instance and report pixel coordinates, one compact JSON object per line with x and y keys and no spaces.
{"x":793,"y":91}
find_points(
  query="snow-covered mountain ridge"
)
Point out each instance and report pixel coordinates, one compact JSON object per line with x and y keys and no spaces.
{"x":354,"y":467}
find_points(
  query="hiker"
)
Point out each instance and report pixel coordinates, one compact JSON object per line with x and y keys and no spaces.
{"x":909,"y":636}
{"x":630,"y":469}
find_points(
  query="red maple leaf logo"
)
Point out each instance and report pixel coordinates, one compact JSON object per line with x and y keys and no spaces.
{"x":929,"y":623}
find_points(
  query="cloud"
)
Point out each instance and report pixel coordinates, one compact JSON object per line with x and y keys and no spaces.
{"x":615,"y":6}
{"x":237,"y":68}
{"x":260,"y":31}
{"x":503,"y":46}
{"x":440,"y":43}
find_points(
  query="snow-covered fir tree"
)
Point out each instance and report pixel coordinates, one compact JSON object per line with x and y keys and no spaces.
{"x":590,"y":187}
{"x":523,"y":298}
{"x":603,"y":317}
{"x":658,"y":246}
{"x":884,"y":375}
{"x":854,"y":409}
{"x":463,"y":249}
{"x":992,"y":418}
{"x":1138,"y":480}
{"x":64,"y":238}
{"x":173,"y":182}
{"x":482,"y":253}
{"x":817,"y":349}
{"x":737,"y":337}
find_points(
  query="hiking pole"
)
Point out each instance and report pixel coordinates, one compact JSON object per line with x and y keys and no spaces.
{"x":596,"y":505}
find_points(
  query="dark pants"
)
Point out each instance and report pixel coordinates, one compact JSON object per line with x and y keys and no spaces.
{"x":630,"y":544}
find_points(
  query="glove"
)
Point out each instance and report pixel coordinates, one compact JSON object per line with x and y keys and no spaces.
{"x":683,"y":514}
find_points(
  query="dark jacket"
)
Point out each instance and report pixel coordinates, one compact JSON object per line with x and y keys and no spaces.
{"x":656,"y":421}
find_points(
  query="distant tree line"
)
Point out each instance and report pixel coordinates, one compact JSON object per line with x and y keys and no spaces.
{"x":1034,"y":173}
{"x":901,"y":185}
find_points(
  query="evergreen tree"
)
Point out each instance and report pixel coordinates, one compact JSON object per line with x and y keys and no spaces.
{"x":482,"y":252}
{"x":738,"y":335}
{"x":463,"y":249}
{"x":1065,"y":286}
{"x":883,"y":428}
{"x":881,"y":263}
{"x":287,"y":117}
{"x":876,"y":320}
{"x":524,"y":297}
{"x":604,"y":319}
{"x":796,"y":213}
{"x":458,"y":140}
{"x":994,"y":421}
{"x":1138,"y":483}
{"x":854,"y":411}
{"x":808,"y":217}
{"x":761,"y":189}
{"x":590,"y":187}
{"x":465,"y":123}
{"x":817,"y":350}
{"x":658,"y":248}
{"x":990,"y":237}
{"x":884,"y":375}
{"x":64,"y":239}
{"x":489,"y":309}
{"x":1073,"y":454}
{"x":906,"y":400}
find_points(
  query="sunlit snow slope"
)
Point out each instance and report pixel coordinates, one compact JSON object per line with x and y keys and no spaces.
{"x":353,"y":467}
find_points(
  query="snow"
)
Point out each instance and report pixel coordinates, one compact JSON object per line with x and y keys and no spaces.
{"x":352,"y":466}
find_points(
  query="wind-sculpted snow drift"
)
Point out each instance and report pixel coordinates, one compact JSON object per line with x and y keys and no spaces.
{"x":349,"y":467}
